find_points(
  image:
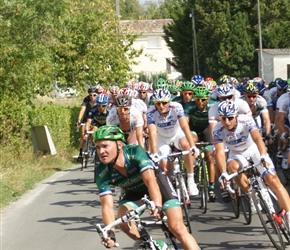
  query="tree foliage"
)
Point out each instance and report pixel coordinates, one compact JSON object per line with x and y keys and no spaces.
{"x":226,"y":34}
{"x":76,"y":41}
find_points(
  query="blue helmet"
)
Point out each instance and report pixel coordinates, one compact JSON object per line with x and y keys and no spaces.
{"x":228,"y":109}
{"x":102,"y":99}
{"x":281,"y":84}
{"x":161,"y":95}
{"x":197,"y":79}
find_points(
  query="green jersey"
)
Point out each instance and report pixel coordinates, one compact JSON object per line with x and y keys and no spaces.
{"x":198,"y":119}
{"x":179,"y":99}
{"x":136,"y":161}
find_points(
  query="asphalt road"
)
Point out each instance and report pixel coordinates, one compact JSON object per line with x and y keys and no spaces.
{"x":60,"y":213}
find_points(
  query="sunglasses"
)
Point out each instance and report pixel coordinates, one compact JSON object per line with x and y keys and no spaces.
{"x":224,"y":98}
{"x":93,"y":95}
{"x":252,"y":96}
{"x":159,"y":103}
{"x":174,"y":93}
{"x":103,"y":106}
{"x":223,"y":118}
{"x":200,"y":99}
{"x":142,"y":92}
{"x":123,"y":108}
{"x":187,"y":93}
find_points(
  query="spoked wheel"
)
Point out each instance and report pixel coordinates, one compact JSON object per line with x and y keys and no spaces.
{"x":141,"y":245}
{"x":245,"y":204}
{"x":270,"y":225}
{"x":203,"y":188}
{"x":283,"y":226}
{"x":183,"y":202}
{"x":235,"y":202}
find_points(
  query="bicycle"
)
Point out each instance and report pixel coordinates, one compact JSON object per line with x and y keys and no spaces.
{"x":175,"y":161}
{"x":269,"y":212}
{"x":146,"y":241}
{"x":239,"y":199}
{"x":89,"y":151}
{"x":202,"y":175}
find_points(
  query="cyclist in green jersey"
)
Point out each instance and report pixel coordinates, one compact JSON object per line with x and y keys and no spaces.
{"x":129,"y":167}
{"x":197,"y":113}
{"x":186,"y":95}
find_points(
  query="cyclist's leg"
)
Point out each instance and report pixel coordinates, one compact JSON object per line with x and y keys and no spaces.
{"x":181,"y":143}
{"x":129,"y":202}
{"x":177,"y":227}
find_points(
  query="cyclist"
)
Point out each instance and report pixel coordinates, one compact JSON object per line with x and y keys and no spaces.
{"x":272,"y":96}
{"x":167,"y":123}
{"x":129,"y":167}
{"x":88,"y":103}
{"x":143,"y":92}
{"x":128,"y":118}
{"x":197,"y":112}
{"x":240,"y":134}
{"x":114,"y":90}
{"x":258,"y":106}
{"x":186,"y":95}
{"x":98,"y":114}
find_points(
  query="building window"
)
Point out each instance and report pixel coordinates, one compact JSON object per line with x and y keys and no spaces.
{"x":153,"y":42}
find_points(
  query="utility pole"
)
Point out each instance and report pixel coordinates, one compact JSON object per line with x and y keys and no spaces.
{"x":117,"y":2}
{"x":194,"y":45}
{"x":261,"y":62}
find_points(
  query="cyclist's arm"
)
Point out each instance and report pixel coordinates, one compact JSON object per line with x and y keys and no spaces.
{"x":220,"y":156}
{"x":153,"y":138}
{"x":108,"y":212}
{"x":149,"y":179}
{"x":81,"y":113}
{"x":256,"y":136}
{"x":185,"y":127}
{"x":279,"y":122}
{"x":139,"y":135}
{"x":271,"y":114}
{"x":211,"y":126}
{"x":267,"y":122}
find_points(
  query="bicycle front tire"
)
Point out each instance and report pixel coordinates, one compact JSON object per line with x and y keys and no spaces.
{"x":270,"y":225}
{"x":184,"y":207}
{"x":235,"y":202}
{"x":244,"y":201}
{"x":204,"y":187}
{"x":141,"y":245}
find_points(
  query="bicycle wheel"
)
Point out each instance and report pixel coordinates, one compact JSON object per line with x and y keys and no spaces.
{"x":235,"y":202}
{"x":184,"y":207}
{"x":270,"y":225}
{"x":203,"y":187}
{"x":283,"y":224}
{"x":244,"y":202}
{"x":141,"y":245}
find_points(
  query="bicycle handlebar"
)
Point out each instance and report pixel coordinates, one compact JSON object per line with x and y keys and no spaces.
{"x":103,"y":232}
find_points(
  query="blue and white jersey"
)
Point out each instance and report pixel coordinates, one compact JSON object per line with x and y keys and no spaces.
{"x":238,"y":140}
{"x":271,"y":97}
{"x":259,"y":106}
{"x":166,"y":126}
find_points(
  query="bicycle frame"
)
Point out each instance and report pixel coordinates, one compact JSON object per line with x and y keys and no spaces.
{"x":133,"y":215}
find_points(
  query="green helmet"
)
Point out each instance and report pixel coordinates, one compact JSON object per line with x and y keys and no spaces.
{"x":161,"y":84}
{"x":173,"y":88}
{"x":188,"y":86}
{"x":109,"y":132}
{"x":201,"y":92}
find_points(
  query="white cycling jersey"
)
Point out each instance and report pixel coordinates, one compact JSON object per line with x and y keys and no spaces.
{"x":136,"y":119}
{"x":166,"y":126}
{"x":283,"y":103}
{"x":213,"y":116}
{"x":271,"y":96}
{"x":139,"y":105}
{"x":238,"y":140}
